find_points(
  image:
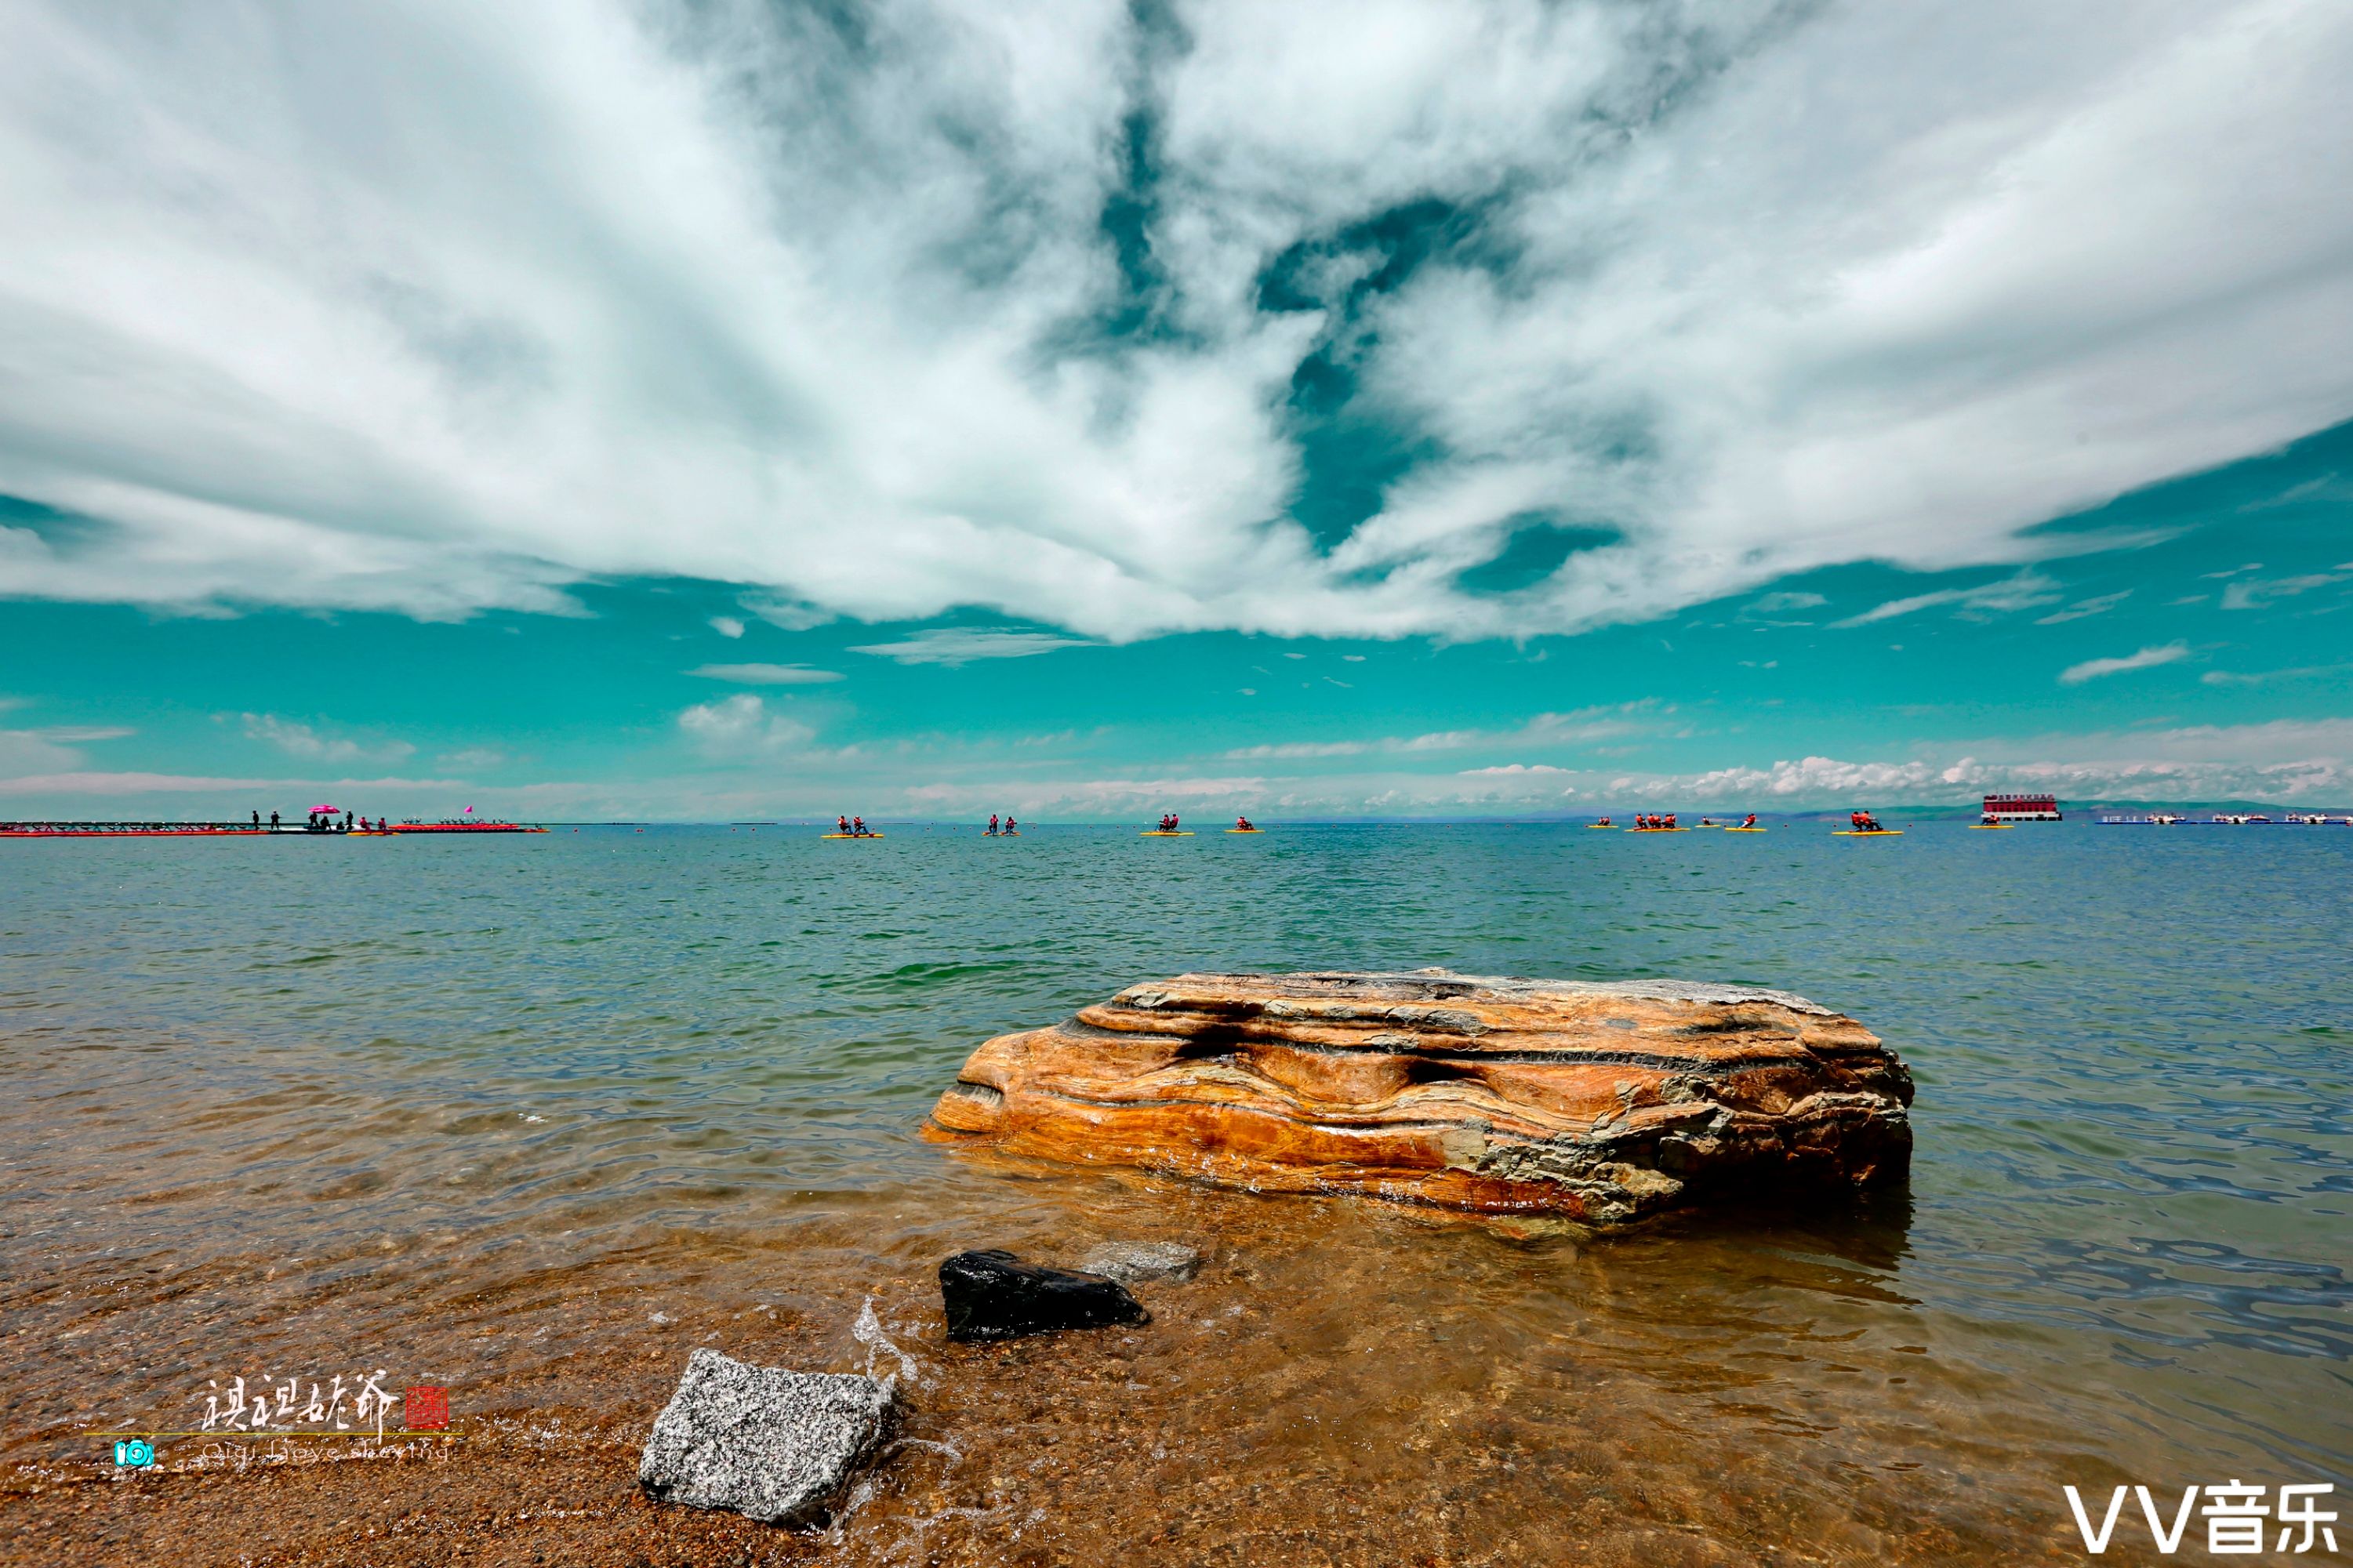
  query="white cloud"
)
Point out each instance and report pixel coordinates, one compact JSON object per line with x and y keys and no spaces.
{"x":81,"y":734}
{"x":2099,"y":604}
{"x":2026,"y":591}
{"x":766,"y":673}
{"x":121,"y":783}
{"x":2257,"y":591}
{"x":2308,"y":763}
{"x":727,"y":625}
{"x":71,"y":785}
{"x":1295,"y":750}
{"x":1579,"y":727}
{"x":33,"y":752}
{"x":2148,"y":657}
{"x":785,"y":614}
{"x":1783,"y":603}
{"x":436,"y":306}
{"x":299,"y":740}
{"x":741,"y":726}
{"x":2266,"y":676}
{"x":1089,"y":797}
{"x":950,"y":645}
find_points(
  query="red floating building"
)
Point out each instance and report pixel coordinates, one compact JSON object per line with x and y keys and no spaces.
{"x":2021,"y":808}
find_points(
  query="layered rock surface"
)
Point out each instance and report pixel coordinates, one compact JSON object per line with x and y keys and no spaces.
{"x":1602,"y":1102}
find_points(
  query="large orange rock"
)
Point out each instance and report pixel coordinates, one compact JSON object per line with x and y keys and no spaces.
{"x":1605,"y":1103}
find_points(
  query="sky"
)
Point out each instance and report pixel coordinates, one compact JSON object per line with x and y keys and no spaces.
{"x":735,"y":410}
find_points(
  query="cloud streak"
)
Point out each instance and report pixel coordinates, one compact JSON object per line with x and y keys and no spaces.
{"x":950,"y":645}
{"x":766,"y":673}
{"x":2146,"y":658}
{"x":308,"y":742}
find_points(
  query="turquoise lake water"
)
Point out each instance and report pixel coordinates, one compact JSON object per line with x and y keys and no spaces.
{"x":2122,"y":1256}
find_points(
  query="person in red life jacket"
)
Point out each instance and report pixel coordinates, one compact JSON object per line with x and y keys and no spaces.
{"x":1243,"y":825}
{"x":1750,"y":820}
{"x":1011,"y":826}
{"x":992,"y":825}
{"x":1671,"y":820}
{"x":841,"y":824}
{"x":858,"y":827}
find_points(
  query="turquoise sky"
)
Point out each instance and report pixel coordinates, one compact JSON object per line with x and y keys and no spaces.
{"x":2210,"y":658}
{"x":749,"y":411}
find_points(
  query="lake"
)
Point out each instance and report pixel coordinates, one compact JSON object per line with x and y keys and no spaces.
{"x":531,"y":1117}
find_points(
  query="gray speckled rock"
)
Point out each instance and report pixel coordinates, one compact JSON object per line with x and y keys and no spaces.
{"x":772,"y":1445}
{"x":1131,"y":1261}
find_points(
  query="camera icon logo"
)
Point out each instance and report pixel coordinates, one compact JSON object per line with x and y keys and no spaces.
{"x":136,"y":1454}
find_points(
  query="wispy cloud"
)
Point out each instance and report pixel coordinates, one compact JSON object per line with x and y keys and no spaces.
{"x":742,"y":725}
{"x":1577,"y":727}
{"x":119,"y":784}
{"x":1766,"y":606}
{"x":1296,"y":750}
{"x":2027,"y":590}
{"x":787,"y":614}
{"x":766,"y":673}
{"x":952,"y":646}
{"x":2266,"y":677}
{"x":2255,"y":593}
{"x":727,"y":625}
{"x":2147,"y":659}
{"x":311,"y":744}
{"x":2082,"y":608}
{"x":81,"y":734}
{"x":70,"y":785}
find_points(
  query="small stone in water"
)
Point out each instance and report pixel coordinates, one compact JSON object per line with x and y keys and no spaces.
{"x":1130,"y":1262}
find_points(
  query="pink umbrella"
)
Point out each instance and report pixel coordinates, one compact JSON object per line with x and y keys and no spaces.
{"x":326,"y":808}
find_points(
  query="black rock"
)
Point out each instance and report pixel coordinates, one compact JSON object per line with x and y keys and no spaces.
{"x":993,"y":1295}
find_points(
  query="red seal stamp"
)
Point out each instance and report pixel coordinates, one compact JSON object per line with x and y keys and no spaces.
{"x":425,"y":1410}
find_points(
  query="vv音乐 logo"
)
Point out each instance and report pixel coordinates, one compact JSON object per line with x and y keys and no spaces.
{"x":2238,"y":1518}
